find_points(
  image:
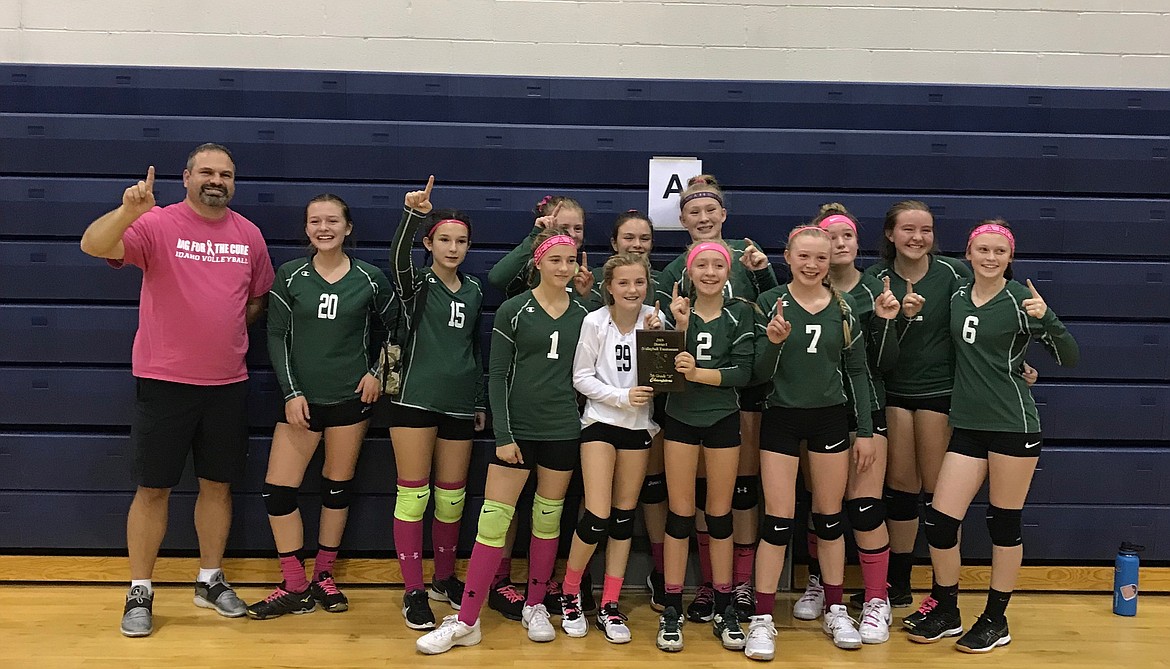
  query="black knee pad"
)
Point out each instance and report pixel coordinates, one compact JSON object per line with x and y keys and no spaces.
{"x":777,"y":531}
{"x":942,"y":531}
{"x":901,"y":505}
{"x":336,"y":494}
{"x":1005,"y":526}
{"x":720,"y":527}
{"x":746,"y":495}
{"x":679,"y":527}
{"x":701,"y":493}
{"x":279,"y":500}
{"x":829,"y":526}
{"x":653,"y":489}
{"x":592,"y":528}
{"x":866,"y":514}
{"x":621,"y":524}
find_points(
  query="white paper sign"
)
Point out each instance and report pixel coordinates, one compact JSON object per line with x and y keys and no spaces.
{"x":668,"y":179}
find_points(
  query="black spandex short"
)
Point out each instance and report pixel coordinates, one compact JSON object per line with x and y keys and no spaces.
{"x":561,"y":456}
{"x":825,"y":429}
{"x":940,"y":404}
{"x":752,"y":398}
{"x":174,"y":419}
{"x":450,"y":427}
{"x":978,"y":443}
{"x":623,"y":439}
{"x":322,"y":416}
{"x":723,"y":434}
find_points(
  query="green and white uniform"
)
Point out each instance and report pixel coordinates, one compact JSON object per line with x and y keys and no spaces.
{"x":808,"y":370}
{"x":926,"y":360}
{"x":724,"y":343}
{"x":442,"y":368}
{"x":990,"y":344}
{"x":741,"y":283}
{"x":319,"y":332}
{"x":530,"y":371}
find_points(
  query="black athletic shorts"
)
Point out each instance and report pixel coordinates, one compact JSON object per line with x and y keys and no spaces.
{"x":940,"y":404}
{"x":978,"y":443}
{"x":621,"y":438}
{"x":878,"y":418}
{"x":323,"y":416}
{"x":752,"y":398}
{"x":723,"y":434}
{"x":825,"y":429}
{"x":450,"y":428}
{"x":172,"y":420}
{"x":561,"y":456}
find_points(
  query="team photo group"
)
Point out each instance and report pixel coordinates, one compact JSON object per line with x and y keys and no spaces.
{"x":845,"y":399}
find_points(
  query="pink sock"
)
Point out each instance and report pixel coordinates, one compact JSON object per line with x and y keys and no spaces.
{"x":445,"y":539}
{"x":293,"y":571}
{"x":612,"y":589}
{"x":408,"y":543}
{"x":875,"y":567}
{"x":324,"y":561}
{"x":480,"y":571}
{"x":704,"y":541}
{"x":765,"y":603}
{"x":542,"y":557}
{"x":656,"y":556}
{"x":833,"y":594}
{"x":572,"y":583}
{"x":744,"y":560}
{"x":505,"y":569}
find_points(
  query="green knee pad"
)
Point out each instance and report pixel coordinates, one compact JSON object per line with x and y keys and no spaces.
{"x":546,"y":517}
{"x":411,"y":503}
{"x":449,"y":504}
{"x":494,"y":520}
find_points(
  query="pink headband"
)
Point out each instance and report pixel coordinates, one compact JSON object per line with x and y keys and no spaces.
{"x":446,"y":220}
{"x":994,"y":229}
{"x":698,"y":194}
{"x":803,"y":228}
{"x":547,"y":244}
{"x":838,"y":218}
{"x":707,"y":246}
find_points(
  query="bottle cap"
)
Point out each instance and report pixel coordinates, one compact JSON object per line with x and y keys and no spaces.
{"x":1127,"y":547}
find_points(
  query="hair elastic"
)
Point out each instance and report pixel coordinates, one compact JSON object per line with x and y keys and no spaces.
{"x":707,"y":246}
{"x":835,"y":219}
{"x":698,"y":194}
{"x":434,"y":227}
{"x":547,"y":244}
{"x":993,"y":228}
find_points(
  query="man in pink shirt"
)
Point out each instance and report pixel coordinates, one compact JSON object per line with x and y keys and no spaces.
{"x":205,"y":272}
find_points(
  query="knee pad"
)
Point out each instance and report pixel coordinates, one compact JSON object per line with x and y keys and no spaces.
{"x":942,"y":531}
{"x":777,"y":531}
{"x":494,"y":520}
{"x":411,"y":503}
{"x":621,"y":524}
{"x":279,"y":500}
{"x":901,"y":505}
{"x":1005,"y":526}
{"x":336,"y":494}
{"x":653,"y":489}
{"x":701,"y":493}
{"x":679,"y":527}
{"x":746,"y":495}
{"x":866,"y":514}
{"x":720,"y":527}
{"x":829,"y":526}
{"x":546,"y":517}
{"x":449,"y":504}
{"x":592,"y":528}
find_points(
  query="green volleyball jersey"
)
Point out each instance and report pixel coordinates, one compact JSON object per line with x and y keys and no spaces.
{"x":530,"y":371}
{"x":990,"y":344}
{"x":926,"y":359}
{"x":724,"y":343}
{"x":510,"y":274}
{"x":442,"y":367}
{"x":319,"y":332}
{"x":808,"y":370}
{"x":742,"y":282}
{"x":881,"y":337}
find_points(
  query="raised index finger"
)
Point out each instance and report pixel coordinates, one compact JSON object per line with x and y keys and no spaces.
{"x":909,"y":288}
{"x":150,"y":178}
{"x":1035,"y":293}
{"x":674,"y":292}
{"x":556,"y":210}
{"x":885,"y":284}
{"x":780,"y":307}
{"x":430,"y":185}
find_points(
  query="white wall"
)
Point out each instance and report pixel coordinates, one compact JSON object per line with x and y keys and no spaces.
{"x":1030,"y":42}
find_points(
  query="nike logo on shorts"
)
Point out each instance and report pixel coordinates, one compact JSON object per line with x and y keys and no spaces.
{"x":1031,"y":445}
{"x":832,"y":446}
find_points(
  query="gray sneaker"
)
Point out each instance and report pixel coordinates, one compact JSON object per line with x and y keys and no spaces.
{"x":137,"y":619}
{"x":219,"y":595}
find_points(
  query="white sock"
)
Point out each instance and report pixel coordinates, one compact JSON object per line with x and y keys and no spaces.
{"x":205,"y":575}
{"x":144,"y":582}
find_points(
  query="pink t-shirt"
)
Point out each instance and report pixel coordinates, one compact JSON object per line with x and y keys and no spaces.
{"x":197,"y":277}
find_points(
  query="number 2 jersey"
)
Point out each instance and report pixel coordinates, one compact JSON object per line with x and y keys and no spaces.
{"x":725,"y":343}
{"x":990,"y":343}
{"x":442,"y":366}
{"x":319,"y":332}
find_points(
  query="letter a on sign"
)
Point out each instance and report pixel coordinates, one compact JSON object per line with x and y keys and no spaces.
{"x":668,"y":179}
